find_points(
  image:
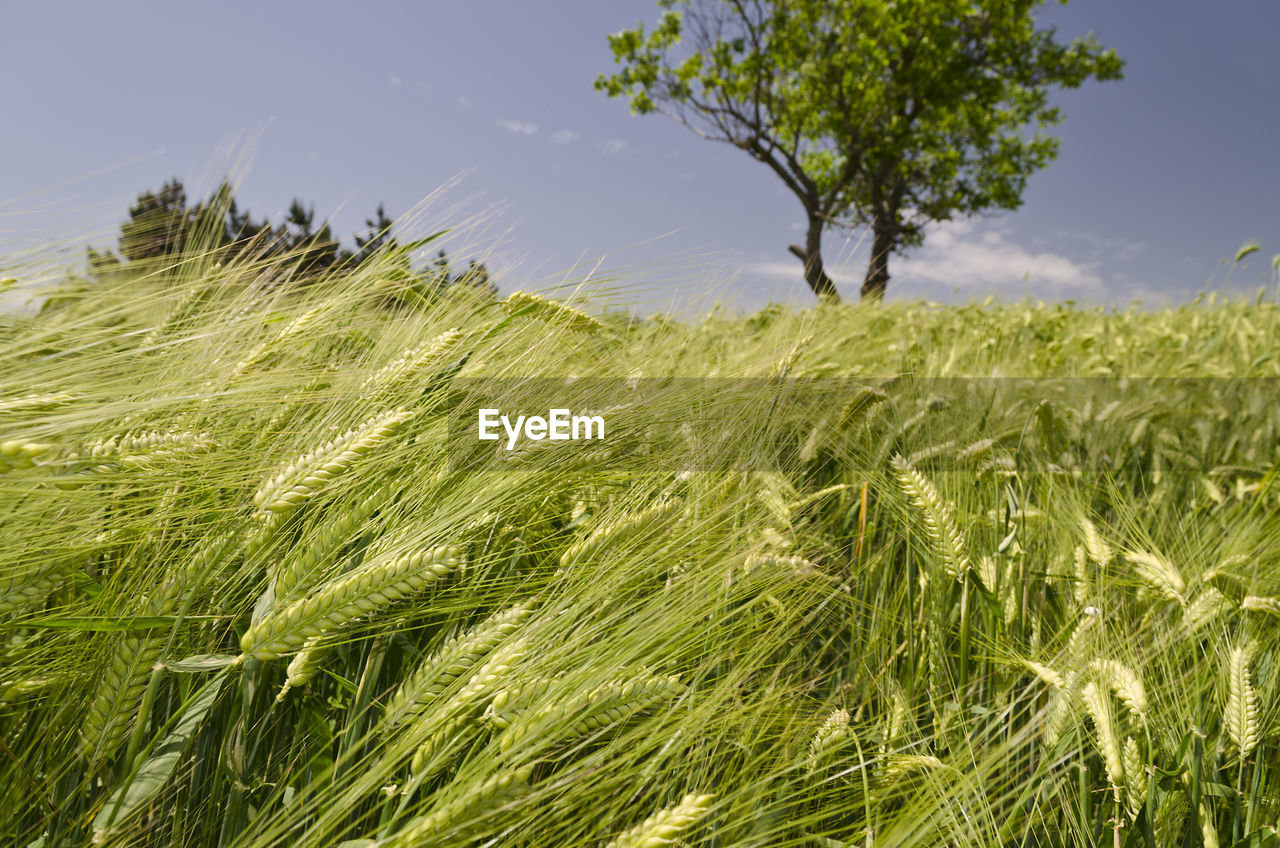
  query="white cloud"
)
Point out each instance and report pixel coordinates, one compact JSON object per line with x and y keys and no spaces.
{"x":564,"y":137}
{"x":793,"y":270}
{"x":394,"y":80}
{"x":957,"y":256}
{"x":463,"y":101}
{"x":954,"y":255}
{"x":613,"y":146}
{"x":1103,"y":246}
{"x":517,"y":127}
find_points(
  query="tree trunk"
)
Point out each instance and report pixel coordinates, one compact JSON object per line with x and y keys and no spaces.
{"x":811,"y":255}
{"x":877,"y":279}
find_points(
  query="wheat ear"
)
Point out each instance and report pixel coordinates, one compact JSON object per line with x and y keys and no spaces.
{"x":665,"y":826}
{"x":939,"y":520}
{"x":286,"y":629}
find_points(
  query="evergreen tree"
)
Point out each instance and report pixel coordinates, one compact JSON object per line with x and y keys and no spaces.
{"x":162,"y":225}
{"x":377,"y":238}
{"x":158,"y":224}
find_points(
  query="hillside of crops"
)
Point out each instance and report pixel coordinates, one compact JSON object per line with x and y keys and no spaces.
{"x":898,"y":575}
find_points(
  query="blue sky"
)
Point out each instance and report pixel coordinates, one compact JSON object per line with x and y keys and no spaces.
{"x":347,"y":105}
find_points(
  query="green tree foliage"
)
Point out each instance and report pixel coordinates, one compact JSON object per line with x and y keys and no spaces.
{"x":162,"y":226}
{"x":313,"y":250}
{"x":159,"y":223}
{"x":377,"y":238}
{"x":886,"y":114}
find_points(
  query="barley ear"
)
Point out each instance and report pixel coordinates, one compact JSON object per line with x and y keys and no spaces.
{"x":1126,"y":685}
{"x":113,"y":709}
{"x":1098,"y":705}
{"x":304,"y":665}
{"x":294,"y":575}
{"x":827,"y":738}
{"x":1158,"y":573}
{"x":900,"y":766}
{"x":19,"y":454}
{"x":1241,"y":712}
{"x":939,"y":520}
{"x":1259,"y":603}
{"x":456,"y":657}
{"x":463,"y":817}
{"x":1062,"y":708}
{"x":550,"y":311}
{"x":608,"y":535}
{"x":413,"y":361}
{"x":286,"y":629}
{"x":458,"y":709}
{"x":1097,"y":548}
{"x":1135,"y":777}
{"x":299,"y":481}
{"x":605,"y":706}
{"x":1046,"y":674}
{"x":664,"y":827}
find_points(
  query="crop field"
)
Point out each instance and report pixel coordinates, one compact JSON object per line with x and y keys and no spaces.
{"x":902,"y":575}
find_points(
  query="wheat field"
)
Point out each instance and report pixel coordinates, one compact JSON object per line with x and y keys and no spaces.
{"x":991,"y":575}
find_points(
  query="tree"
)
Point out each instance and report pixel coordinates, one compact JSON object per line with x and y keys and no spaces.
{"x":158,"y":224}
{"x":886,"y":114}
{"x":162,"y":226}
{"x":311,"y":251}
{"x":378,"y":237}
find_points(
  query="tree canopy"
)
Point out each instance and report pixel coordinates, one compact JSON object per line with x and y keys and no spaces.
{"x":884,"y":114}
{"x":164,"y":226}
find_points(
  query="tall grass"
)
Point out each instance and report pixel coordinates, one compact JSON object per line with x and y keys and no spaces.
{"x":257,"y":589}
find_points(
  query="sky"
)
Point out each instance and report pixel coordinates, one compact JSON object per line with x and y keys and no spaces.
{"x":481,"y":116}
